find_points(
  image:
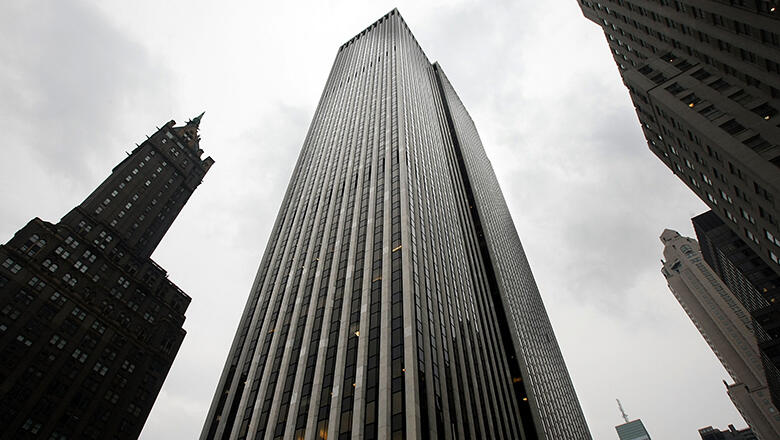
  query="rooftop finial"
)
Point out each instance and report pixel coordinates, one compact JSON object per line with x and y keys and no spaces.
{"x":196,"y":119}
{"x":623,"y":413}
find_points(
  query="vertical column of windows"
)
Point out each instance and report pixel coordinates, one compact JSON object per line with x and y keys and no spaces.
{"x":309,"y":153}
{"x":352,"y":282}
{"x":444,"y":240}
{"x":380,"y":279}
{"x":447,"y":328}
{"x":308,"y":340}
{"x":442,"y":245}
{"x":460,"y":287}
{"x":312,"y":338}
{"x":281,"y":407}
{"x":352,"y":305}
{"x":378,"y":231}
{"x":320,"y":285}
{"x":418,"y":193}
{"x":255,"y":353}
{"x":426,"y":342}
{"x":324,"y":313}
{"x":437,"y":292}
{"x":294,"y":314}
{"x":397,"y":385}
{"x":491,"y":347}
{"x":341,"y":244}
{"x":325,"y":295}
{"x":491,"y":356}
{"x":373,"y":282}
{"x":339,"y":270}
{"x":350,"y":405}
{"x":265,"y":324}
{"x":392,"y":301}
{"x":315,"y":148}
{"x":321,"y":282}
{"x":270,"y":385}
{"x":513,"y":271}
{"x":495,"y":361}
{"x":375,"y":286}
{"x":335,"y":268}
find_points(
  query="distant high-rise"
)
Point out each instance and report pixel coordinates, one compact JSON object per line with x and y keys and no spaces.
{"x":394,"y":299}
{"x":710,"y":433}
{"x":633,"y":430}
{"x":756,"y":286}
{"x":89,"y":324}
{"x":704,"y":77}
{"x":726,"y":326}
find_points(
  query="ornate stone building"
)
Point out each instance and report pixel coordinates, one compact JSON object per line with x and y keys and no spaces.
{"x":89,"y":324}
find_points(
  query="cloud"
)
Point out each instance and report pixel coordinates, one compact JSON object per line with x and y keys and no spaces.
{"x":70,"y":82}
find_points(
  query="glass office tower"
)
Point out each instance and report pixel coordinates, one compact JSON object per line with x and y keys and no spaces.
{"x":394,"y":299}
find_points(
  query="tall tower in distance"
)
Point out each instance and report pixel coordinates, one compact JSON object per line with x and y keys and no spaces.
{"x":631,"y":430}
{"x":89,"y":324}
{"x":726,"y":326}
{"x":394,"y":299}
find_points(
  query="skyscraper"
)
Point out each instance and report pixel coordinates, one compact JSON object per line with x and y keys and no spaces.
{"x":726,"y":326}
{"x":755,"y":285}
{"x":394,"y":299}
{"x":633,"y":430}
{"x":89,"y":324}
{"x":704,"y":77}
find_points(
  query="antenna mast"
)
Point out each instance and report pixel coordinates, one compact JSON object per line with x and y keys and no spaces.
{"x":622,"y":412}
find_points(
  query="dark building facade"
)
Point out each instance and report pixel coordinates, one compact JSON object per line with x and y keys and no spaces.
{"x":394,"y":299}
{"x":704,"y":76}
{"x":710,"y":433}
{"x":89,"y":324}
{"x":754,"y":284}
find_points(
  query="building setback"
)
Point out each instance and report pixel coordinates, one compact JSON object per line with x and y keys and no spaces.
{"x":89,"y":324}
{"x":704,"y":77}
{"x":394,"y":299}
{"x":726,"y":326}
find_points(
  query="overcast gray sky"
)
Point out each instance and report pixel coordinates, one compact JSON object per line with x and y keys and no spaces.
{"x":82,"y":82}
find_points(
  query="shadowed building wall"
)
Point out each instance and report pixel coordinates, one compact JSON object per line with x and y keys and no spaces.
{"x":710,"y":433}
{"x":754,"y":284}
{"x":89,"y":324}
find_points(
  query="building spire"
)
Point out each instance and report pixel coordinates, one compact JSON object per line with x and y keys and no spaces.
{"x":622,"y":412}
{"x":188,"y":133}
{"x":196,"y":120}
